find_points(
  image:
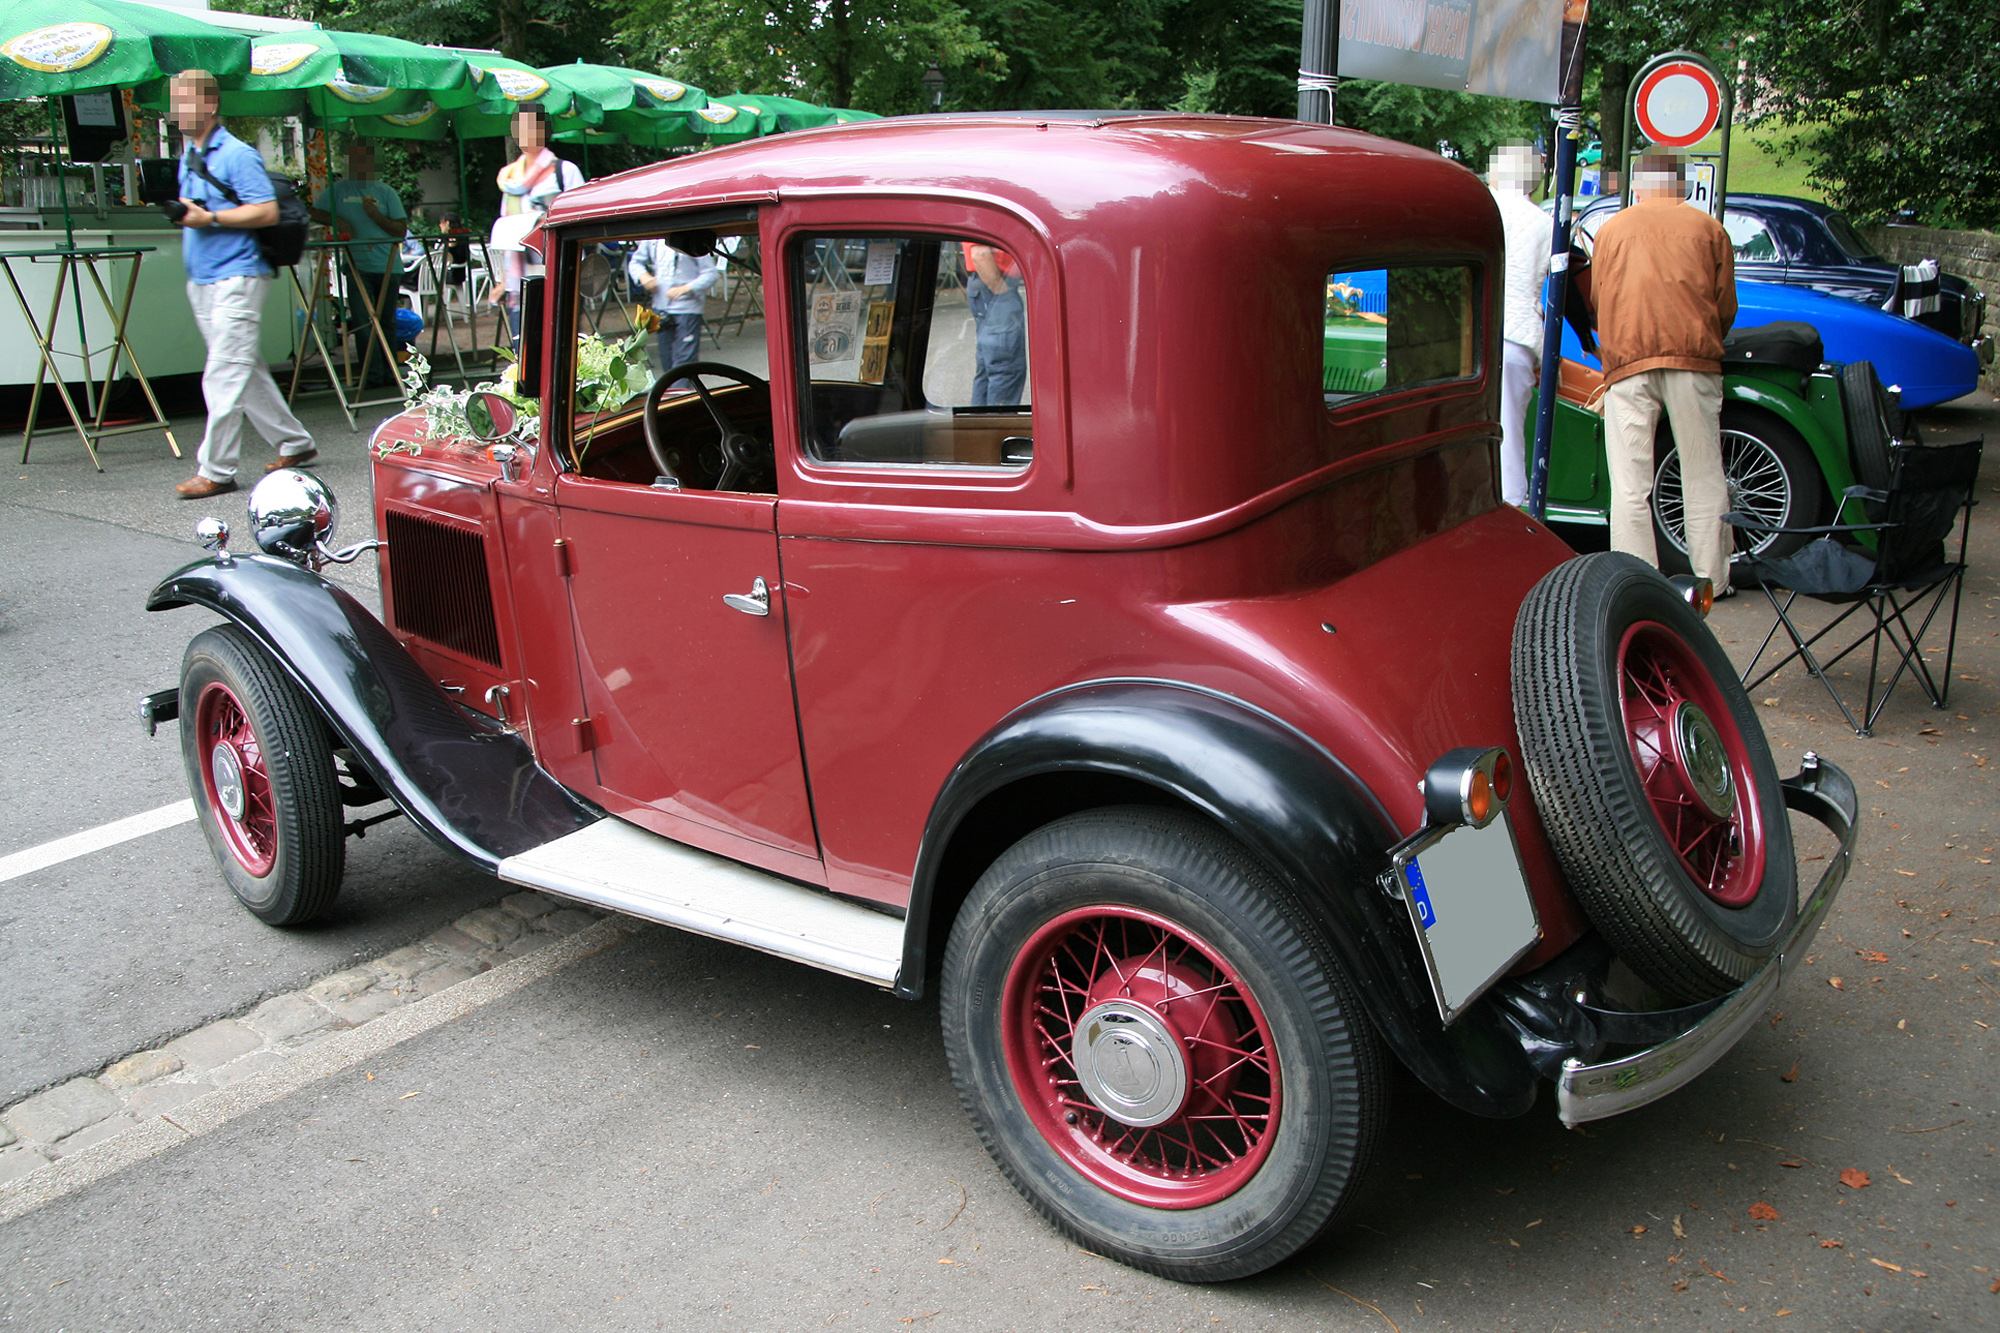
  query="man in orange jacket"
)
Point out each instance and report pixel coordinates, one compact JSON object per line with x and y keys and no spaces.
{"x":1664,"y":284}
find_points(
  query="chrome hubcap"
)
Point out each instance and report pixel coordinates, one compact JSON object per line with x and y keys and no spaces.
{"x":227,"y":770}
{"x":1130,"y":1063}
{"x":1703,"y":759}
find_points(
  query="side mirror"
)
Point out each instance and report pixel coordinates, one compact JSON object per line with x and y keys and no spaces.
{"x":532,"y":300}
{"x":490,"y":416}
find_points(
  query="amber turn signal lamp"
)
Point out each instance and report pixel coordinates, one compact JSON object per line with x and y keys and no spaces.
{"x":1469,"y":785}
{"x":1698,"y":593}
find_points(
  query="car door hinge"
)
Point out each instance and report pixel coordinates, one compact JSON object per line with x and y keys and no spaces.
{"x":562,"y":557}
{"x":586,"y":735}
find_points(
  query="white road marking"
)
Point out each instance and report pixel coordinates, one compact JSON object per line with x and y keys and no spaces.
{"x":94,"y":840}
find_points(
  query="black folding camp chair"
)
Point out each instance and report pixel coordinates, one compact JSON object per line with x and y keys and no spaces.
{"x":1896,"y":590}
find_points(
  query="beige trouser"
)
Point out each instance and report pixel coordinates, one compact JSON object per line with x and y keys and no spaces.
{"x":236,"y":383}
{"x":1693,"y":402}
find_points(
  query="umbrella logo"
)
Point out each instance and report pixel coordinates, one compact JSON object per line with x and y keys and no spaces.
{"x":59,"y":48}
{"x":281,"y":56}
{"x":518,"y":85}
{"x":408,"y":119}
{"x":349,"y":91}
{"x":664,"y":89}
{"x":715,"y":113}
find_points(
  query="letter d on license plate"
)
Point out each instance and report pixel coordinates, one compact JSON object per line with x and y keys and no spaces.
{"x":1470,"y":905}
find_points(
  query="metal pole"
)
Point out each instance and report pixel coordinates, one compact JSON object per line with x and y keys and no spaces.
{"x":1569,"y":129}
{"x":1319,"y":61}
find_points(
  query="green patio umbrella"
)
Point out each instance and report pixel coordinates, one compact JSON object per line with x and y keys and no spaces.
{"x":485,"y":108}
{"x":640,"y":108}
{"x":843,"y":115}
{"x":333,"y":76}
{"x":776,"y":114}
{"x":48,"y":47}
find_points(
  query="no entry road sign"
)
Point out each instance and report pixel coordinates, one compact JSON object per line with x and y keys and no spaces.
{"x":1679,"y":104}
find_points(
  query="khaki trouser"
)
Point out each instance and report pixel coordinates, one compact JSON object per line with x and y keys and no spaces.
{"x":236,"y":383}
{"x":1693,"y":403}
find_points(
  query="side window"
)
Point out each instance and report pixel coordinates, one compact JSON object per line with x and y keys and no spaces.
{"x":915,"y":352}
{"x":1752,"y":240}
{"x":1394,"y":328}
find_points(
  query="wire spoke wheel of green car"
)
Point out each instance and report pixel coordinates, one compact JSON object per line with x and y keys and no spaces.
{"x":1773,"y":477}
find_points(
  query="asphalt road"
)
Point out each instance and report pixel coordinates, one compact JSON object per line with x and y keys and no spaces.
{"x":674,"y":1133}
{"x":120,"y":950}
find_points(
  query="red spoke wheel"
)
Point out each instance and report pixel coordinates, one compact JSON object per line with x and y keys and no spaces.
{"x":261,"y":770}
{"x":1692,"y":763}
{"x":1141,"y":1057}
{"x":1652,"y":776}
{"x":235,"y":784}
{"x":1156,"y":1047}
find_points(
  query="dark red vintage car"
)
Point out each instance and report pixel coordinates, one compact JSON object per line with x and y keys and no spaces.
{"x":1013,"y":600}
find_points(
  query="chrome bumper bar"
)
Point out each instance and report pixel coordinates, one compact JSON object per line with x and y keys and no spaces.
{"x":1594,"y":1092}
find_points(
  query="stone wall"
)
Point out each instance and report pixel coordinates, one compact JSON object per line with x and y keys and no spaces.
{"x":1973,"y":255}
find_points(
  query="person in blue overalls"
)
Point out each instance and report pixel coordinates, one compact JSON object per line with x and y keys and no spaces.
{"x":993,"y":290}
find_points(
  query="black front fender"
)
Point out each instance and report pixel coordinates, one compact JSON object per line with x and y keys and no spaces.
{"x":469,"y":783}
{"x":1301,"y":811}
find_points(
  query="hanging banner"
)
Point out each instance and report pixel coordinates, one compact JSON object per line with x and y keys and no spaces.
{"x":1498,"y":48}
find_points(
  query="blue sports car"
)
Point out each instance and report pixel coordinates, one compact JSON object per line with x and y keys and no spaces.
{"x":1922,"y":364}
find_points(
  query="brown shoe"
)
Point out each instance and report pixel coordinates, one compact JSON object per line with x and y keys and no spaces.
{"x":292,"y":460}
{"x":200,"y":488}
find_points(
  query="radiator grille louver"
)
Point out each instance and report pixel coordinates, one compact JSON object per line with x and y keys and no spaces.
{"x":438,"y":585}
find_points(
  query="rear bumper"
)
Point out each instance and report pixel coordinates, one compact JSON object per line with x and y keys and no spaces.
{"x":1596,"y":1091}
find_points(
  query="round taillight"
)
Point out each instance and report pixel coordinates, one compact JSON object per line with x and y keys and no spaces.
{"x":1503,"y":777}
{"x":1479,"y":799}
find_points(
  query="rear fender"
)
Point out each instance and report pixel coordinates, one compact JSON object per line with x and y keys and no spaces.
{"x":1290,"y":801}
{"x":465,"y":780}
{"x":1829,"y":450}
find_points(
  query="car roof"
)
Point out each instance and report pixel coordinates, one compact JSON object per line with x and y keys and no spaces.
{"x":1089,"y":171}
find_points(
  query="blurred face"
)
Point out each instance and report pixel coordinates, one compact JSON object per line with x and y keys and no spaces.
{"x":194,"y":103}
{"x":360,"y":163}
{"x":531,"y":132}
{"x":1517,"y":169}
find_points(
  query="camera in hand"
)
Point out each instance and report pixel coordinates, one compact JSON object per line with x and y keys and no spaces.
{"x":175,"y":209}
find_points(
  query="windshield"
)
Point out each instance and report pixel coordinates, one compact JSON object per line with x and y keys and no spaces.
{"x":1850,"y":240}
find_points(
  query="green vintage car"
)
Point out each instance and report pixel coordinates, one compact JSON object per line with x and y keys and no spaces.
{"x":1796,"y":431}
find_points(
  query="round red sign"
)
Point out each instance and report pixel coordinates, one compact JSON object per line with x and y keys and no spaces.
{"x":1679,"y":104}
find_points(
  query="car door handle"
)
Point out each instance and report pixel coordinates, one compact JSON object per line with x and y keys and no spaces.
{"x":756,"y":602}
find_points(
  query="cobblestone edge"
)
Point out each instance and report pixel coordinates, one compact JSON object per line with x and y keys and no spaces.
{"x":143,"y":1088}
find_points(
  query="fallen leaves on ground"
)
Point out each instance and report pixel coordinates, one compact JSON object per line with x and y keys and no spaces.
{"x":1712,"y":1273}
{"x":1854,"y":1178}
{"x":1791,"y":1075}
{"x":1833,"y":1245}
{"x":1637,"y":1231}
{"x":1763,"y":1212}
{"x":1836,"y":983}
{"x":1873,"y":956}
{"x":1680,"y":1232}
{"x":1884,"y":1263}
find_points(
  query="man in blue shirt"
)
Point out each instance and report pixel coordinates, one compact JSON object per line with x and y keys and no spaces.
{"x":227,"y":283}
{"x":365,"y":209}
{"x":678,"y":285}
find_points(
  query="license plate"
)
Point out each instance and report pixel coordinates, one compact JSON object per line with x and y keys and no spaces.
{"x":1471,"y":908}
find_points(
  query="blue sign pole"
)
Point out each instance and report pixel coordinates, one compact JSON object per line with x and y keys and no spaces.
{"x":1569,"y":128}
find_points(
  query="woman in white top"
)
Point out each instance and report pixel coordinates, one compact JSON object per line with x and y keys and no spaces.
{"x":527,"y":185}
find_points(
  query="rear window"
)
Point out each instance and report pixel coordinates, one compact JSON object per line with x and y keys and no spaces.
{"x":1395,"y":328}
{"x":1848,"y":239}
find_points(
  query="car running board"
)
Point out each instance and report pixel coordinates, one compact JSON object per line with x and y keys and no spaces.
{"x":620,"y":866}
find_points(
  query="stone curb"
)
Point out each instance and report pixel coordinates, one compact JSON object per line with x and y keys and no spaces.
{"x":147,"y":1093}
{"x":289,"y":1073}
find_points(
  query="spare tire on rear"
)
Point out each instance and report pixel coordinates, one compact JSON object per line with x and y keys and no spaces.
{"x":1651,"y":773}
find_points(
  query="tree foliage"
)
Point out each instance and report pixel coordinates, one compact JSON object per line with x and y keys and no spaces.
{"x":1903,"y":98}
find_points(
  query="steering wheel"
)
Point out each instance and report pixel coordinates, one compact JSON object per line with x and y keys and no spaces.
{"x":744,"y":456}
